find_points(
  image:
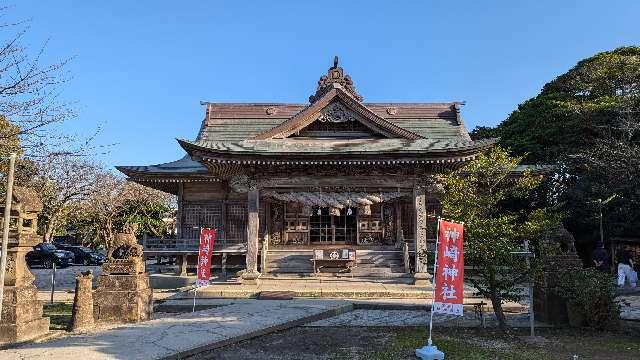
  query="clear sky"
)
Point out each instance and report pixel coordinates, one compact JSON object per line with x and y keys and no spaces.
{"x":141,"y":68}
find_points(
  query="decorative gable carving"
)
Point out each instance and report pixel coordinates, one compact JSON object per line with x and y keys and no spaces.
{"x":337,"y":121}
{"x":336,"y":113}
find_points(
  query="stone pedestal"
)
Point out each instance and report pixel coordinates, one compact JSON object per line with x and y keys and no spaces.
{"x":123,"y":293}
{"x":422,"y":279}
{"x":82,"y":315}
{"x":250,"y":278}
{"x":21,"y":310}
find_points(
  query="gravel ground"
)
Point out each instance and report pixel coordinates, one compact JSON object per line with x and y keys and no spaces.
{"x":308,"y":343}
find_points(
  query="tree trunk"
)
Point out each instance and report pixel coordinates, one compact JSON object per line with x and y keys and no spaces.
{"x":496,"y":302}
{"x":48,"y":232}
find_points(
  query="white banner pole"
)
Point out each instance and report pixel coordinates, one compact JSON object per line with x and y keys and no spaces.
{"x":195,"y":291}
{"x":433,"y":284}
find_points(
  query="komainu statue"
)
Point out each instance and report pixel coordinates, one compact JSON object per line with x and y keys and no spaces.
{"x":564,"y":238}
{"x":123,"y":293}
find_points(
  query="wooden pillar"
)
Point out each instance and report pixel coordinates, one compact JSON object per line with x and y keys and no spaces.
{"x":398,"y":221}
{"x":422,"y":277}
{"x":182,"y":265}
{"x":223,"y":236}
{"x":267,"y":238}
{"x":223,"y":266}
{"x":251,"y":274}
{"x":179,"y":213}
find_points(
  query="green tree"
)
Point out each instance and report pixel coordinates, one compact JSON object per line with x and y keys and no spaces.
{"x":498,"y":209}
{"x":114,"y":203}
{"x":586,"y":121}
{"x":568,"y":115}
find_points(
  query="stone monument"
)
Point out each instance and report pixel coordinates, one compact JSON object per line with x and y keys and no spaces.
{"x":123,"y":293}
{"x":547,"y":305}
{"x":21,"y":310}
{"x":82,"y":315}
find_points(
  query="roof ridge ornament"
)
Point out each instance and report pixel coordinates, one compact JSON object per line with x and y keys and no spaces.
{"x":335,"y":78}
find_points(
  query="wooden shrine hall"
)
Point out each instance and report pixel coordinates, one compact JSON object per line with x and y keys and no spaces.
{"x":282,"y":180}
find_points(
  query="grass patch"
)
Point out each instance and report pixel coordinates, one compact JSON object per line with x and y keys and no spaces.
{"x":59,"y":315}
{"x":406,"y":341}
{"x":491,"y":344}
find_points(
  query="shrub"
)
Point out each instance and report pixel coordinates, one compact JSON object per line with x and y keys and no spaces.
{"x":590,"y":294}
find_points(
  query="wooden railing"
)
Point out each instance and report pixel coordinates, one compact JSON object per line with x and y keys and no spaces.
{"x":151,"y":244}
{"x":187,"y":245}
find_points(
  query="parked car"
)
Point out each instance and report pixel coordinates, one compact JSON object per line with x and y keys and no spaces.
{"x":46,"y":254}
{"x":84,"y":255}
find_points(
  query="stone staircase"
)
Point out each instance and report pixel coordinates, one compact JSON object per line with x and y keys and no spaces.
{"x":374,"y":262}
{"x":292,"y":261}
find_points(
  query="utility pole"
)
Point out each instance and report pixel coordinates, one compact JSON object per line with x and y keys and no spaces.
{"x":5,"y":227}
{"x":601,"y":232}
{"x":600,"y":204}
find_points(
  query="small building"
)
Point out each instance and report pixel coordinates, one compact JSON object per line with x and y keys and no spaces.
{"x":280,"y":180}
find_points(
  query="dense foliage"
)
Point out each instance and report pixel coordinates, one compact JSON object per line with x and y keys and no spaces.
{"x":568,"y":115}
{"x":587,"y":121}
{"x":591,"y":297}
{"x":498,"y":209}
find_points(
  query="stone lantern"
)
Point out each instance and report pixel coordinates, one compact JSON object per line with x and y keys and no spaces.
{"x":21,"y":310}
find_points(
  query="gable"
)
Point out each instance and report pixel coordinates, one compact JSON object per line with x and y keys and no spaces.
{"x":338,"y":105}
{"x":337,"y":121}
{"x":237,"y":122}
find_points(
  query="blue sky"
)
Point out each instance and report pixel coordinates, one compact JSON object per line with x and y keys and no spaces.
{"x":141,"y":68}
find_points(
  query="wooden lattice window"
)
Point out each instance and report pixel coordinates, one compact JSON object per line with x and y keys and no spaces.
{"x":236,"y":223}
{"x":197,"y":215}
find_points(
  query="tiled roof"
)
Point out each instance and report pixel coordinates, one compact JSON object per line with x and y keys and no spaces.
{"x":313,"y":147}
{"x":235,"y":122}
{"x":182,"y":166}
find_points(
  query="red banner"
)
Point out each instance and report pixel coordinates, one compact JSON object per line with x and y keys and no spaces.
{"x":207,"y":239}
{"x":449,"y":287}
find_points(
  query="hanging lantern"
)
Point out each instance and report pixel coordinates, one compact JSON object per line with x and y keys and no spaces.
{"x":349,"y":211}
{"x":319,"y":211}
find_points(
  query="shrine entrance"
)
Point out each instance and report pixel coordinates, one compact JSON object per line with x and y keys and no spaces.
{"x":325,"y":228}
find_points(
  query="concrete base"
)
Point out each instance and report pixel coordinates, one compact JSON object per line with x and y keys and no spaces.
{"x":170,"y":281}
{"x":11,"y":333}
{"x":422,"y":279}
{"x":250,"y":278}
{"x":429,"y":352}
{"x":22,"y":315}
{"x":123,"y":298}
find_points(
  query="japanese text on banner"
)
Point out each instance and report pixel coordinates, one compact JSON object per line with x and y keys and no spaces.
{"x":449,"y":285}
{"x":207,"y":240}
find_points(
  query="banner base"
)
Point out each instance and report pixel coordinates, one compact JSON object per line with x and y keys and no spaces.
{"x":429,"y":352}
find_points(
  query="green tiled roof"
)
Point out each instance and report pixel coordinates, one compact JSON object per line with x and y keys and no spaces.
{"x":311,"y":147}
{"x":185,"y":166}
{"x":236,"y":122}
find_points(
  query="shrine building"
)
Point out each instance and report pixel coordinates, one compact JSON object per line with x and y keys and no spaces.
{"x":282,"y":180}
